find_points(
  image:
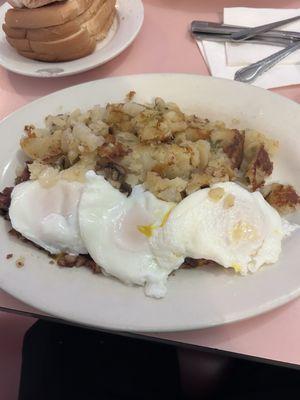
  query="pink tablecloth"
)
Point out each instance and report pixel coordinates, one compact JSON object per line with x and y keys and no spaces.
{"x":164,"y":45}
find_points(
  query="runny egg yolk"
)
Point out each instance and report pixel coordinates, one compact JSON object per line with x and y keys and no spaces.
{"x":165,"y":218}
{"x":147,"y":230}
{"x":237,"y":268}
{"x":243,"y":231}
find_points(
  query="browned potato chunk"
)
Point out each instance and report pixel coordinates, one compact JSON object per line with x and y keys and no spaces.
{"x":165,"y":189}
{"x":284,"y":198}
{"x":43,"y":148}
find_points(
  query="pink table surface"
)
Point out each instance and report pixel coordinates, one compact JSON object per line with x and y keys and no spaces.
{"x":164,"y":45}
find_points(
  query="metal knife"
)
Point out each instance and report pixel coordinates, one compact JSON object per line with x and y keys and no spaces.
{"x":257,"y":40}
{"x":225,"y":29}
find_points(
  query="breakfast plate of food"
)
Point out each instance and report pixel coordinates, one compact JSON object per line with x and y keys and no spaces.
{"x":149,"y":203}
{"x":42,"y":38}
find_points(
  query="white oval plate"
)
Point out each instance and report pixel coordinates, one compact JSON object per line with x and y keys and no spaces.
{"x":126,"y":26}
{"x":196,"y":298}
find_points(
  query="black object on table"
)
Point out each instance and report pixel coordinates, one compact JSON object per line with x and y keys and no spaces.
{"x":65,"y":362}
{"x":62,"y":362}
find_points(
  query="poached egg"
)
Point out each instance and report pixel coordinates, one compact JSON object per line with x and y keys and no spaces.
{"x":226,"y":224}
{"x":48,"y":216}
{"x":116,"y":231}
{"x":140,"y":239}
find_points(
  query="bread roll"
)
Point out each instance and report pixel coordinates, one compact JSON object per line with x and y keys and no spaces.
{"x":73,"y":39}
{"x":30,"y":3}
{"x":16,"y":3}
{"x":73,"y":54}
{"x":103,"y":31}
{"x":50,"y":15}
{"x":78,"y":39}
{"x":56,"y":32}
{"x":97,"y":24}
{"x":14,"y":32}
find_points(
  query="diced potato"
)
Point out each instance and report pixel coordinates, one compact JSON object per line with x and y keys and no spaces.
{"x":42,"y":148}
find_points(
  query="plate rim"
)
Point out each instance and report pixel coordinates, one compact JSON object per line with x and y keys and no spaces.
{"x":268,"y":306}
{"x":151,"y":74}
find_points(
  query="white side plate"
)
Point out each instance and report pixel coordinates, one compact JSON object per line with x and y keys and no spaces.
{"x":196,"y":298}
{"x":126,"y":26}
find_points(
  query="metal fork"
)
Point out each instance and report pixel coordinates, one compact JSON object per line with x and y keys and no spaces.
{"x":248,"y":33}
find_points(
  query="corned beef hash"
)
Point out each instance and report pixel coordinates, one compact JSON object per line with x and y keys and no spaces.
{"x":137,"y":191}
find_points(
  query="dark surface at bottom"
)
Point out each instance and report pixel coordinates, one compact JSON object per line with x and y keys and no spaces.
{"x":65,"y":362}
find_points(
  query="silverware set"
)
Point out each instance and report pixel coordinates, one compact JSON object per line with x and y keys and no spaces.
{"x":263,"y":34}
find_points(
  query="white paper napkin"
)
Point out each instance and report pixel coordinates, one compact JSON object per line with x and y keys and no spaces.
{"x":215,"y":57}
{"x":244,"y":54}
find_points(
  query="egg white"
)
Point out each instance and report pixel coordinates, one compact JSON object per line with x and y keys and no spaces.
{"x":111,"y":226}
{"x":200,"y":227}
{"x":140,"y":239}
{"x":48,"y":216}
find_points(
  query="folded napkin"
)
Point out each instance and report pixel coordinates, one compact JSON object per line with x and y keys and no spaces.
{"x":224,"y":60}
{"x":244,"y":54}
